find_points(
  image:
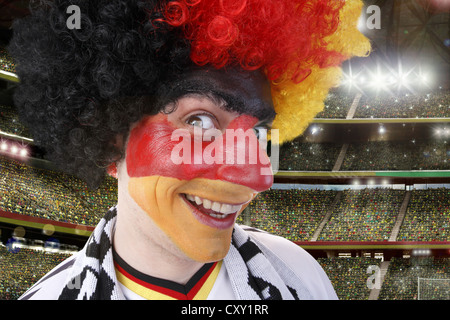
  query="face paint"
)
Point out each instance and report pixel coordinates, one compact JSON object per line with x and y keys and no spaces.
{"x":150,"y":148}
{"x":198,"y":235}
{"x":195,"y":204}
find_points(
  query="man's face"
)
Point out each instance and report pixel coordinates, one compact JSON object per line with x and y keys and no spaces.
{"x":195,"y":202}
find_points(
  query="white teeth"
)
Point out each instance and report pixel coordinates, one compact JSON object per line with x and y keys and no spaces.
{"x":215,"y":206}
{"x":207,"y":204}
{"x":222,"y":209}
{"x":227,"y":208}
{"x":219,"y":216}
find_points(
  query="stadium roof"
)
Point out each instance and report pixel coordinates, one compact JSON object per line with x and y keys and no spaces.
{"x":410,"y":33}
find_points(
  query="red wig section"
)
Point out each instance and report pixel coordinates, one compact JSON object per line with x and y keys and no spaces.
{"x":285,"y":37}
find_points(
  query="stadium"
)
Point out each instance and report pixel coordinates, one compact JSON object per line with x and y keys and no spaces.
{"x":365,"y":190}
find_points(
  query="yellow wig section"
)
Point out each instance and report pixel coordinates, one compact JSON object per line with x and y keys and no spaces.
{"x":297,"y":104}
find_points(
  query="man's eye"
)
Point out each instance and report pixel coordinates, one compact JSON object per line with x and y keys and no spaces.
{"x":201,"y":121}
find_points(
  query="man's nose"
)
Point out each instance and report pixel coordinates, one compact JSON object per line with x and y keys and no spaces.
{"x":245,"y":162}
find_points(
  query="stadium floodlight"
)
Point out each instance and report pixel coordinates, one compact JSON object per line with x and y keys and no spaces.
{"x":23,"y":152}
{"x":381,"y":130}
{"x":378,"y":80}
{"x":14,"y":150}
{"x":361,"y":25}
{"x":403,"y":80}
{"x":442,"y":132}
{"x":390,"y":80}
{"x":3,"y":146}
{"x":424,"y":78}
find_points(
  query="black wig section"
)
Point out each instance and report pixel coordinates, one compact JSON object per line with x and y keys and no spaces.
{"x":80,"y":88}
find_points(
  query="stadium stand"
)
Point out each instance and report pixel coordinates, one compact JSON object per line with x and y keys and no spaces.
{"x":363,"y":215}
{"x":22,"y":268}
{"x":401,"y":281}
{"x":367,"y":214}
{"x":53,"y":195}
{"x":6,"y":62}
{"x":294,"y":214}
{"x":349,"y":276}
{"x":434,"y":104}
{"x":427,"y":217}
{"x":305,"y":156}
{"x":9,"y":122}
{"x":398,"y":155}
{"x":337,"y":105}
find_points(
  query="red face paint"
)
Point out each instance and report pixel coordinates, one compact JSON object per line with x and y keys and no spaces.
{"x":150,"y":147}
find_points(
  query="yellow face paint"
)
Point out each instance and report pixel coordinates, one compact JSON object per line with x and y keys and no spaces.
{"x":199,"y":235}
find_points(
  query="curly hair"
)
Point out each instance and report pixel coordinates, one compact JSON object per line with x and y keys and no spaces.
{"x":81,"y":88}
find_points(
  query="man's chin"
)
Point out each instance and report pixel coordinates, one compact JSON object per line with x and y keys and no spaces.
{"x":206,"y":254}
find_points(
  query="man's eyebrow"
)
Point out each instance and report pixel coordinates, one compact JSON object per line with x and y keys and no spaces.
{"x":258,"y":108}
{"x":229,"y":101}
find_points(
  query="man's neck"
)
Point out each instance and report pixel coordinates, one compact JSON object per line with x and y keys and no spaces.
{"x":147,"y":249}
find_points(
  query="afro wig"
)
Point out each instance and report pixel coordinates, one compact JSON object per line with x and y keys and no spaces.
{"x":81,"y":88}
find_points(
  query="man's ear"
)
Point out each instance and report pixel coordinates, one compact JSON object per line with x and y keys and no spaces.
{"x":112,"y":170}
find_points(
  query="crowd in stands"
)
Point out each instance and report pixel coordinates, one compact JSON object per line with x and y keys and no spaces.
{"x":349,"y":275}
{"x":360,"y":215}
{"x":397,"y":155}
{"x":6,"y":63}
{"x":363,"y":215}
{"x":401,"y":280}
{"x":294,"y":214}
{"x":415,"y":154}
{"x":435,"y":104}
{"x":305,"y":156}
{"x":336,"y":105}
{"x":427,"y":217}
{"x":432,"y":104}
{"x":20,"y":269}
{"x":53,"y":195}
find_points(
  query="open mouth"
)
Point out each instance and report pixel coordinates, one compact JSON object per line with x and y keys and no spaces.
{"x":212,"y":213}
{"x":214,"y":209}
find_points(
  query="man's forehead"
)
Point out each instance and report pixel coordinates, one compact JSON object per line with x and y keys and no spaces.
{"x":246,"y":92}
